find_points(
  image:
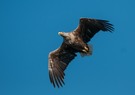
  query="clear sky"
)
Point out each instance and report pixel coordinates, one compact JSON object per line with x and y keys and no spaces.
{"x":28,"y":32}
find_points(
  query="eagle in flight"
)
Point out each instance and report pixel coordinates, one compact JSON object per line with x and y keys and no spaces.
{"x":74,"y":42}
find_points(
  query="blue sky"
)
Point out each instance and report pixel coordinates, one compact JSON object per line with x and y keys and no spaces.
{"x":28,"y":32}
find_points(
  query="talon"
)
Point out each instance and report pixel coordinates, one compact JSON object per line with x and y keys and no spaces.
{"x":86,"y":48}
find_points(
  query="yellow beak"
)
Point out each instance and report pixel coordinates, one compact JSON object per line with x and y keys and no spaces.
{"x":60,"y":33}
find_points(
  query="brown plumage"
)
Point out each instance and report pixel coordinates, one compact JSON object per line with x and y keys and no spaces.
{"x":74,"y":42}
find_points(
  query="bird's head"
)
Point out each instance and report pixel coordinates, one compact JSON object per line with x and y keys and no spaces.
{"x":63,"y":34}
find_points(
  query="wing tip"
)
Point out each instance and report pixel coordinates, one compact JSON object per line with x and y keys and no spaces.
{"x":107,"y":26}
{"x":56,"y":81}
{"x":56,"y":77}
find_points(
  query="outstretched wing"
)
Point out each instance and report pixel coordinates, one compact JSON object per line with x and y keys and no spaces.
{"x":58,"y":61}
{"x":89,"y":27}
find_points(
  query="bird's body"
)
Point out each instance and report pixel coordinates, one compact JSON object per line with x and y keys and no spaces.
{"x":74,"y":42}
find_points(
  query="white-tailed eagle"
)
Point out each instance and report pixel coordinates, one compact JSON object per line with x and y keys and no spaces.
{"x":74,"y":42}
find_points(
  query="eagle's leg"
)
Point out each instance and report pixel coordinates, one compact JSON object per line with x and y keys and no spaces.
{"x":87,"y":50}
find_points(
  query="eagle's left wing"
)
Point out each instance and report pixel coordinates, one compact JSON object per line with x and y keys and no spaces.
{"x":58,"y":61}
{"x":89,"y":27}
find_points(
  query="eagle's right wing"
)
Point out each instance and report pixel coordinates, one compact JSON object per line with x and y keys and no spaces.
{"x":89,"y":27}
{"x":58,"y":61}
